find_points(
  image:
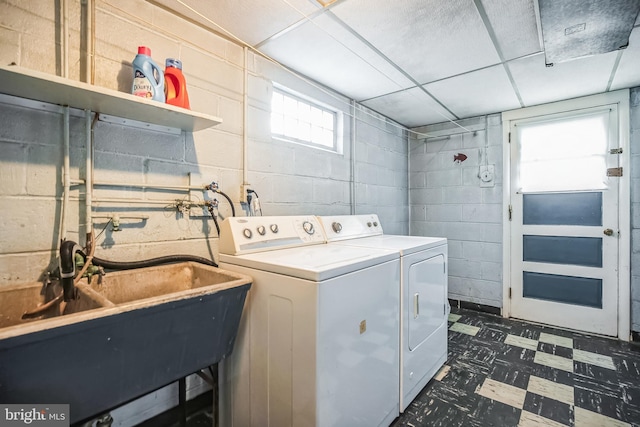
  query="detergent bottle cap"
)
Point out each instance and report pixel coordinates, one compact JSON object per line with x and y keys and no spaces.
{"x":176,"y":63}
{"x":143,"y":50}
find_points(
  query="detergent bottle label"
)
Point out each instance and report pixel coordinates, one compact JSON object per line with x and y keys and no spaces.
{"x":141,"y":85}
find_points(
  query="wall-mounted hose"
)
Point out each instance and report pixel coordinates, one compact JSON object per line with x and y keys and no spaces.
{"x":170,"y":259}
{"x":233,"y":210}
{"x":210,"y":207}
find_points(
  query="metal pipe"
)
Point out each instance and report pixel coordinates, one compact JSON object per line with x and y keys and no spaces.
{"x":354,"y":124}
{"x":66,"y":178}
{"x":97,"y":200}
{"x":88,"y":126}
{"x":245,"y":122}
{"x":151,"y":186}
{"x":65,"y":38}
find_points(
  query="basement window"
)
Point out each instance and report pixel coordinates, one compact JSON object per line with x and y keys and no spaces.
{"x":300,"y":120}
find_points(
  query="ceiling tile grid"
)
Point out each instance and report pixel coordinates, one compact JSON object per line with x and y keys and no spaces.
{"x":628,"y":72}
{"x":429,"y":39}
{"x":481,"y":92}
{"x":411,"y":107}
{"x":327,"y":53}
{"x":421,"y":62}
{"x":514,"y":24}
{"x":539,"y":84}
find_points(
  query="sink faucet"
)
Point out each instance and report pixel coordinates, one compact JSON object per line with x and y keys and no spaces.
{"x":68,"y":251}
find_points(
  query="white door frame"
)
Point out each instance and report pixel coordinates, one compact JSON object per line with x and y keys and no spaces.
{"x":620,"y":97}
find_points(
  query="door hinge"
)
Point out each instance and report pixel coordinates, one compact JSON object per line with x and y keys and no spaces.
{"x":509,"y":293}
{"x":510,"y":212}
{"x":615,"y":151}
{"x":614,"y":172}
{"x":509,"y":137}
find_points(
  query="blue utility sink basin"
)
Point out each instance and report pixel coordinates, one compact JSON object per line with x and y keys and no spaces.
{"x":129,"y":333}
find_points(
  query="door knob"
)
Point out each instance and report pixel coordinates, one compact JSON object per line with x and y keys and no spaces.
{"x":608,"y":232}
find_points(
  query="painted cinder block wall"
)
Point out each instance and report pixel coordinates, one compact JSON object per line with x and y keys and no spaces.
{"x":446,"y":200}
{"x":289,"y":178}
{"x":370,"y":175}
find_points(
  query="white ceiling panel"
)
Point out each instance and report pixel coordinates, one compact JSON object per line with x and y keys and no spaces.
{"x":628,"y":72}
{"x":430,"y":39}
{"x":329,"y":54}
{"x":480,"y":92}
{"x":539,"y":84}
{"x":514,"y":24}
{"x":250,"y":20}
{"x":411,"y":108}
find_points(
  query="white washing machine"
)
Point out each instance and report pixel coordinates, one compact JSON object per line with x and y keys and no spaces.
{"x":424,"y":305}
{"x":318,"y":344}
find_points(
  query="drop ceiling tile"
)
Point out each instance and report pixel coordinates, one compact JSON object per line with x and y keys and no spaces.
{"x":539,"y":84}
{"x":411,"y":107}
{"x":514,"y":24}
{"x":430,"y":39}
{"x":479,"y":92}
{"x":326,"y":52}
{"x":250,"y":20}
{"x":627,"y":74}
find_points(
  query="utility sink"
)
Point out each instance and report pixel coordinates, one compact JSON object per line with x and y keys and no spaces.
{"x":129,"y":333}
{"x":153,"y":284}
{"x":15,"y":301}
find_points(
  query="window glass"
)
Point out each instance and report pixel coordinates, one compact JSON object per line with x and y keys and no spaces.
{"x":302,"y":121}
{"x":567,"y":154}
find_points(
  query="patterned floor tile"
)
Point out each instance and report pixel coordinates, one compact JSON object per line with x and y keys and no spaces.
{"x":528,"y":419}
{"x":542,"y":387}
{"x":521,"y":342}
{"x":584,"y":418}
{"x":555,"y":339}
{"x":553,"y":361}
{"x":505,"y":393}
{"x":464,"y":329}
{"x":549,"y":409}
{"x":593,"y":359}
{"x":503,"y":372}
{"x":454,"y":317}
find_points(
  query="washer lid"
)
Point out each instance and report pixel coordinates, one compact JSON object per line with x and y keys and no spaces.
{"x":404,"y":244}
{"x":316,"y":263}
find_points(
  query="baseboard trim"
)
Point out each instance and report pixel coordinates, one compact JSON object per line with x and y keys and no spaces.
{"x":474,"y":306}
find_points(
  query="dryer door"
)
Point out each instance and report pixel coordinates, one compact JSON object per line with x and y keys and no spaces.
{"x":425,"y":304}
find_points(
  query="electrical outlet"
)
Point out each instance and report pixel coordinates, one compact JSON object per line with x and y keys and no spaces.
{"x":487,"y":175}
{"x":244,"y":188}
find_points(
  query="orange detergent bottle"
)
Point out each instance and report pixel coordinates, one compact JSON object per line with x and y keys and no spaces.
{"x":175,"y":87}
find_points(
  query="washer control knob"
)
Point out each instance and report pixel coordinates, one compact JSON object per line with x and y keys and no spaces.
{"x":247,"y":233}
{"x":375,"y":223}
{"x":261,"y":230}
{"x":369,"y":224}
{"x":337,"y":227}
{"x":274,"y":228}
{"x":308,"y":227}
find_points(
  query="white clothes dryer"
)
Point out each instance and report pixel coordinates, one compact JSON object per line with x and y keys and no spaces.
{"x":318,"y":343}
{"x":424,"y":305}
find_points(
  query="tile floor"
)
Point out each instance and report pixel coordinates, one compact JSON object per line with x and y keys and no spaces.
{"x":502,"y":372}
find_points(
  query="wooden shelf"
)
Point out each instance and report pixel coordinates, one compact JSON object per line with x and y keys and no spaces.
{"x":44,"y":87}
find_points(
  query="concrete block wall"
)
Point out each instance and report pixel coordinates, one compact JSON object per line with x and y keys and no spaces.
{"x":635,"y":207}
{"x":446,"y":200}
{"x":294,"y":179}
{"x":289,"y":178}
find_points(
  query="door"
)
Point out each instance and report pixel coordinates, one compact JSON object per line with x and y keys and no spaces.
{"x":426,"y":299}
{"x":564,"y":220}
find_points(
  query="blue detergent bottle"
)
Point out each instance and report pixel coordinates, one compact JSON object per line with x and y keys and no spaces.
{"x":148,"y":78}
